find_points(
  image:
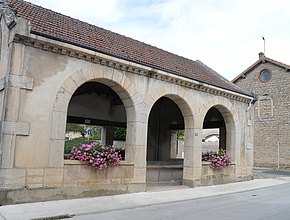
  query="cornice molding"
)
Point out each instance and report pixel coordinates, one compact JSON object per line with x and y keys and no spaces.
{"x":66,"y":49}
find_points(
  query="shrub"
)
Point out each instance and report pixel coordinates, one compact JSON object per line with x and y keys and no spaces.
{"x":97,"y":156}
{"x":218,"y":159}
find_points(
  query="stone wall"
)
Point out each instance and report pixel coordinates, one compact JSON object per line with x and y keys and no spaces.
{"x":271,"y":113}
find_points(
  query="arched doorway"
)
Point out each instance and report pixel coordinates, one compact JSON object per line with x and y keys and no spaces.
{"x":215,"y":123}
{"x":93,"y":105}
{"x":165,"y":119}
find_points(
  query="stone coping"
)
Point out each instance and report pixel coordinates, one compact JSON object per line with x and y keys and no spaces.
{"x":77,"y":162}
{"x":209,"y":163}
{"x":205,"y":163}
{"x":164,"y":166}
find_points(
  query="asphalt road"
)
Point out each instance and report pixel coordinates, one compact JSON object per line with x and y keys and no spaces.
{"x":267,"y":203}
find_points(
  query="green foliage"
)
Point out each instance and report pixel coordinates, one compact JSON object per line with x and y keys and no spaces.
{"x":120,"y":134}
{"x":180,"y":134}
{"x":70,"y":143}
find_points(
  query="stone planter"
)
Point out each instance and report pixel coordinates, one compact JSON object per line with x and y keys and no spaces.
{"x":76,"y":174}
{"x":212,"y":176}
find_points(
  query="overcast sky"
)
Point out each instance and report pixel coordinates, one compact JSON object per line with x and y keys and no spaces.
{"x":226,"y":35}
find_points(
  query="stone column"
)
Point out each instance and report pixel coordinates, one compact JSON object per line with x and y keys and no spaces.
{"x":107,"y":136}
{"x":173,"y":148}
{"x":222,"y":138}
{"x":192,"y":157}
{"x":136,"y":149}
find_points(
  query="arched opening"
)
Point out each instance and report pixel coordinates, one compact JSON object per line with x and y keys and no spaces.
{"x":163,"y":162}
{"x":214,"y":128}
{"x":98,"y":113}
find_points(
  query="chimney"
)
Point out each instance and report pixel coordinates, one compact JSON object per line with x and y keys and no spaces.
{"x":261,"y":55}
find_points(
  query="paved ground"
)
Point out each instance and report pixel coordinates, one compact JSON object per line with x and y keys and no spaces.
{"x":168,"y":194}
{"x":262,"y":173}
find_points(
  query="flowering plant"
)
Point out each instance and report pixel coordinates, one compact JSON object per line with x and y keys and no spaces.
{"x":97,"y":155}
{"x":218,"y":159}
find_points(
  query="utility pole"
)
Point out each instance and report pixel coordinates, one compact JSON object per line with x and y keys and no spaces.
{"x":264,"y":46}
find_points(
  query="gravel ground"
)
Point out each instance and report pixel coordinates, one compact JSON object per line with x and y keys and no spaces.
{"x":260,"y":173}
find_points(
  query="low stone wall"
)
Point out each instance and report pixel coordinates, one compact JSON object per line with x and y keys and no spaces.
{"x":164,"y":173}
{"x":76,"y":174}
{"x":212,"y":176}
{"x":77,"y":182}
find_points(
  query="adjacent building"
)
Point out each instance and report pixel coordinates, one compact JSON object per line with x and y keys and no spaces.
{"x":269,"y":80}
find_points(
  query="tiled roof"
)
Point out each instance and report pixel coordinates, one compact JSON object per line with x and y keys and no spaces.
{"x":55,"y":24}
{"x":262,"y":59}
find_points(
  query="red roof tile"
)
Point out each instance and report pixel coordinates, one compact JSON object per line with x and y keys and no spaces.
{"x":55,"y":24}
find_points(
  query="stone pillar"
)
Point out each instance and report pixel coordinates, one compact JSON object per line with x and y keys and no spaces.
{"x":173,"y":148}
{"x":12,"y":82}
{"x":136,"y":149}
{"x":192,"y":157}
{"x":222,"y":138}
{"x":107,"y":135}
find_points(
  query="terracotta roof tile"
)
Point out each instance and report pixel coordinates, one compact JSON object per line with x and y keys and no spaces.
{"x":55,"y":24}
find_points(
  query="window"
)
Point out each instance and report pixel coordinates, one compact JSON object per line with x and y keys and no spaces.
{"x":265,"y":75}
{"x":265,"y":107}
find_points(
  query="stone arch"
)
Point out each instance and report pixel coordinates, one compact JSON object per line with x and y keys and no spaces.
{"x":230,"y":116}
{"x":209,"y":135}
{"x":115,"y":79}
{"x":177,"y":94}
{"x":192,"y":146}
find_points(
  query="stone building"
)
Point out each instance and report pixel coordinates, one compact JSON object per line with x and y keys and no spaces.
{"x":270,"y":81}
{"x":56,"y":69}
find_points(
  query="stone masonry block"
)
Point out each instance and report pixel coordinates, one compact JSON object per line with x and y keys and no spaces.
{"x":118,"y":76}
{"x":58,"y":125}
{"x":53,"y":177}
{"x":126,"y":82}
{"x":22,"y":82}
{"x":69,"y":85}
{"x":139,"y":176}
{"x":198,"y":120}
{"x":132,"y":90}
{"x":56,"y":153}
{"x":189,"y":121}
{"x":88,"y":73}
{"x":18,"y":128}
{"x":12,"y":178}
{"x":108,"y":72}
{"x":78,"y":78}
{"x":194,"y":109}
{"x":161,"y":90}
{"x":35,"y":172}
{"x":17,"y":60}
{"x":98,"y":71}
{"x":149,"y":101}
{"x":154,"y":94}
{"x":62,"y":99}
{"x":34,"y":180}
{"x":12,"y":104}
{"x":186,"y":111}
{"x":181,"y":91}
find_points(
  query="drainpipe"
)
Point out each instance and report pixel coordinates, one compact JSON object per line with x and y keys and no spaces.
{"x":250,"y":104}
